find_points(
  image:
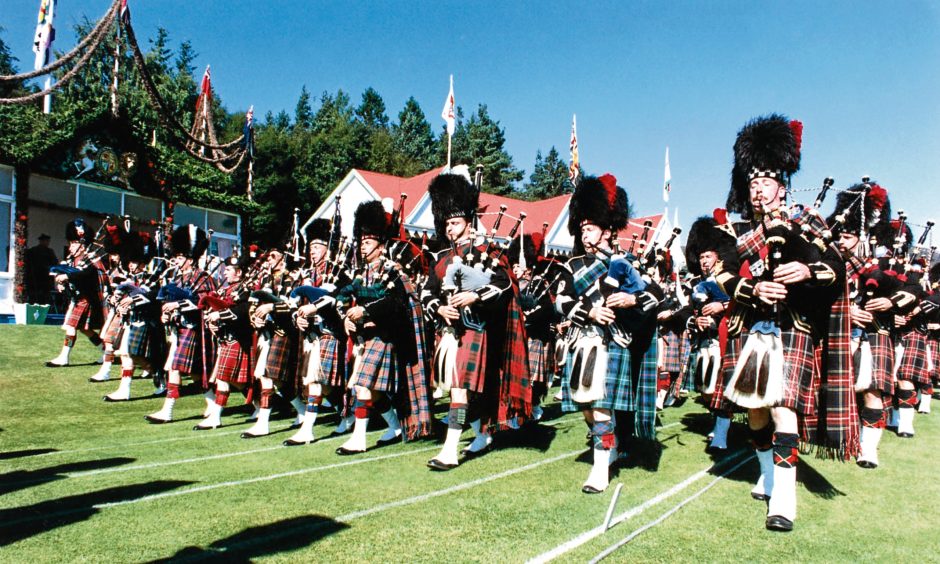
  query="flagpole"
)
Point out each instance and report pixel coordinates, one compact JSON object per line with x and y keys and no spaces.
{"x":448,"y":151}
{"x":45,"y":56}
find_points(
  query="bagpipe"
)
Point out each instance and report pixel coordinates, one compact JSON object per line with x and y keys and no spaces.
{"x":92,"y":253}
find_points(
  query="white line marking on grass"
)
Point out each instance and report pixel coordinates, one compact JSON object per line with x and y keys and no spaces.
{"x":460,"y":487}
{"x":613,"y":548}
{"x":210,"y":487}
{"x":630,"y":513}
{"x":200,"y":435}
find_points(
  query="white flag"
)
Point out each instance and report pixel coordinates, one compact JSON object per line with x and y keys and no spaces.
{"x":448,"y":113}
{"x":667,"y":180}
{"x":45,"y":33}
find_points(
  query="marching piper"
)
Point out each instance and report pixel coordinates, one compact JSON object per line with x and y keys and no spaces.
{"x":481,"y":353}
{"x":611,"y":366}
{"x":190,"y":352}
{"x":790,"y":300}
{"x":85,"y":277}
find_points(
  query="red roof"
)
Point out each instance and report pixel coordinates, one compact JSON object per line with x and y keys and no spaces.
{"x":388,"y":186}
{"x":635,"y":227}
{"x":537,"y":213}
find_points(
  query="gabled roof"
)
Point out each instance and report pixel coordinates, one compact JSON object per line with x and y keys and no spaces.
{"x":388,"y":186}
{"x":537,"y":213}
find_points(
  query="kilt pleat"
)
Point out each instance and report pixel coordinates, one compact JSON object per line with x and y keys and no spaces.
{"x":914,"y":362}
{"x":882,"y":360}
{"x":541,"y":360}
{"x":471,"y":361}
{"x":78,"y":315}
{"x":374,"y":366}
{"x":233,"y":363}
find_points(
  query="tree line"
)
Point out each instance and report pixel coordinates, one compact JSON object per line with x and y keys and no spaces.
{"x":299,"y":157}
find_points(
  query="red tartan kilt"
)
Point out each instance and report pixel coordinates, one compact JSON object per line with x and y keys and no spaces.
{"x":728,"y":362}
{"x":375,"y":368}
{"x":471,"y":361}
{"x":188,"y":357}
{"x":882,"y":363}
{"x":672,"y":352}
{"x":934,"y":346}
{"x":111,"y":334}
{"x":914,"y":362}
{"x":233,"y":364}
{"x":541,"y":360}
{"x":801,"y":365}
{"x":278,"y":366}
{"x":78,"y":315}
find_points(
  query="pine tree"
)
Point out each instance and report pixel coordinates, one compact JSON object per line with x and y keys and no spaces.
{"x":549,"y":177}
{"x":371,"y":111}
{"x":303,"y":113}
{"x":481,"y":141}
{"x":413,"y":139}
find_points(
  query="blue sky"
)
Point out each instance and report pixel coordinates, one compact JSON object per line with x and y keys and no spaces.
{"x":863,"y":76}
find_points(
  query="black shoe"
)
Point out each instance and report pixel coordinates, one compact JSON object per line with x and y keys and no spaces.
{"x":395,"y":441}
{"x":50,"y":364}
{"x":906,"y":435}
{"x":760,"y":496}
{"x":590,"y":489}
{"x":867,"y":464}
{"x":778,"y":523}
{"x":435,"y":464}
{"x":343,"y":451}
{"x":715,"y":450}
{"x":292,"y":442}
{"x":155,"y":420}
{"x":247,"y":435}
{"x":471,"y":454}
{"x":110,"y":399}
{"x":201,"y":428}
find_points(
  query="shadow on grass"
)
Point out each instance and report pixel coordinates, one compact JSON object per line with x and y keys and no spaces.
{"x":9,"y":455}
{"x":254,"y":542}
{"x":816,"y":483}
{"x":22,"y":479}
{"x":530,"y":437}
{"x":18,"y":523}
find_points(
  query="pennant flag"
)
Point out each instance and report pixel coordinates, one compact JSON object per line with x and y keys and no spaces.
{"x":448,"y":113}
{"x":125,"y":13}
{"x":574,"y":169}
{"x":249,"y":132}
{"x":203,"y":102}
{"x":45,"y":33}
{"x":667,"y":178}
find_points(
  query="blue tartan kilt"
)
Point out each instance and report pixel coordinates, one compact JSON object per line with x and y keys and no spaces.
{"x":139,"y":337}
{"x":374,"y":367}
{"x":618,"y":389}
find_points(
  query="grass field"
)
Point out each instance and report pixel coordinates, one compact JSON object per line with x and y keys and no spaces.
{"x":82,"y":480}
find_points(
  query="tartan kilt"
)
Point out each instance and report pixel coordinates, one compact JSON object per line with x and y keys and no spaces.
{"x":111,"y":333}
{"x":188,"y":356}
{"x":618,"y":389}
{"x":374,"y":366}
{"x":137,"y":339}
{"x":672,"y":352}
{"x":233,"y":364}
{"x":541,"y":360}
{"x":914,"y":362}
{"x":471,"y":361}
{"x":933,"y":346}
{"x":728,"y":362}
{"x":332,"y":362}
{"x":882,"y":363}
{"x":278,"y":365}
{"x":79,"y":315}
{"x":801,"y":372}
